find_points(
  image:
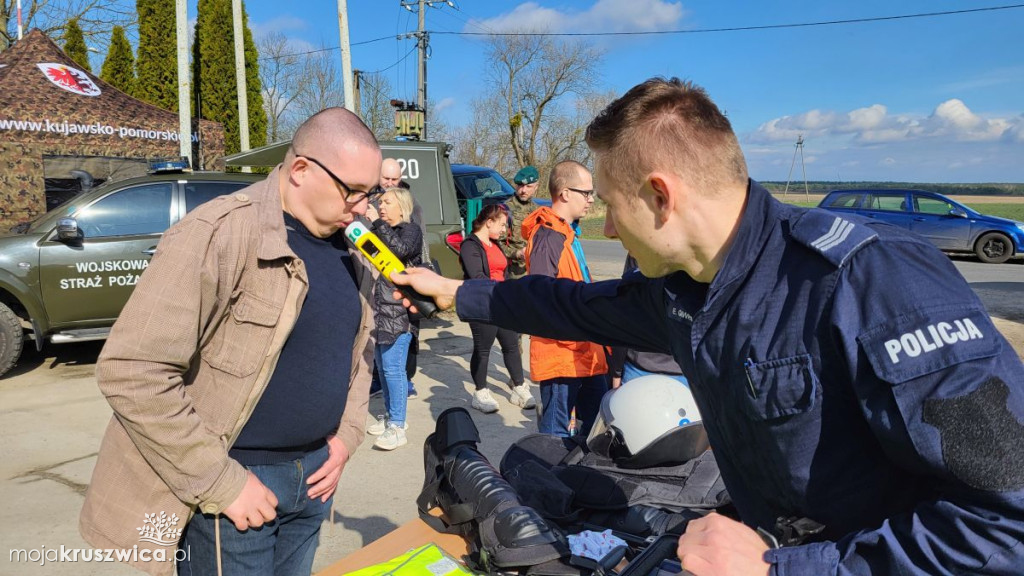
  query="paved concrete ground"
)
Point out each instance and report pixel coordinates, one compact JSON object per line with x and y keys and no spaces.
{"x":52,"y":418}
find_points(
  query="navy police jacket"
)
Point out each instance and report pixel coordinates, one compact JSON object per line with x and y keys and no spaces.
{"x":845,"y":372}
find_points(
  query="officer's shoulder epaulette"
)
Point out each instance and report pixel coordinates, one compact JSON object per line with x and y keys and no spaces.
{"x":221,"y":206}
{"x":835,"y":236}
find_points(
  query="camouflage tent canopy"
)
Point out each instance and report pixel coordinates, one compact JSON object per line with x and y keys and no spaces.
{"x":60,"y":125}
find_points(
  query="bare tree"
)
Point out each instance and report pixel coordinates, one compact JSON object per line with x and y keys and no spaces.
{"x":483,"y":141}
{"x":96,"y":17}
{"x":375,"y":105}
{"x":563,"y":138}
{"x":281,"y":76}
{"x":320,"y":85}
{"x":534,"y":76}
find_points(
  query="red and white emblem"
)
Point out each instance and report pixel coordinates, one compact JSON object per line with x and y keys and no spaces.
{"x":70,"y":79}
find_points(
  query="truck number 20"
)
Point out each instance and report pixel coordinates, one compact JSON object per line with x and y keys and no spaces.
{"x":410,"y":168}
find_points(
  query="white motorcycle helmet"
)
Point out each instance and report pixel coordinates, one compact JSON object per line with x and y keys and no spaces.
{"x":649,"y":421}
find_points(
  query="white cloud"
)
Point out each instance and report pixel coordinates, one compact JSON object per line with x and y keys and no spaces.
{"x":603,"y":16}
{"x":282,"y":24}
{"x":952,"y":143}
{"x":444,"y":103}
{"x":874,"y":124}
{"x":954,"y":119}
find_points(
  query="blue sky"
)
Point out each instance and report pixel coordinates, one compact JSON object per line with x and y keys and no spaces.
{"x":938,"y":99}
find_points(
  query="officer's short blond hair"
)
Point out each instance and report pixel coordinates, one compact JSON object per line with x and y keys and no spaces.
{"x":667,"y":125}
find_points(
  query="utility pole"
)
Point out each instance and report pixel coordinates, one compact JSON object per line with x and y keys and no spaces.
{"x":346,"y":56}
{"x":421,"y":70}
{"x":423,"y":43}
{"x":184,"y":104}
{"x":800,"y":149}
{"x":243,"y":93}
{"x":355,"y":93}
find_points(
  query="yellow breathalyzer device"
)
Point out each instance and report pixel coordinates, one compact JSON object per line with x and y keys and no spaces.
{"x":384,"y":259}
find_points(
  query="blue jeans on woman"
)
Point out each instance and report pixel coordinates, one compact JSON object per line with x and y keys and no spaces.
{"x":559,"y":396}
{"x":285,"y":546}
{"x":391,"y":363}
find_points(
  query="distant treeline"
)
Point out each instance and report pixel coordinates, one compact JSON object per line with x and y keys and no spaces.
{"x":823,"y":187}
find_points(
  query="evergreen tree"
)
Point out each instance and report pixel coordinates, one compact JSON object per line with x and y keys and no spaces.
{"x":213,"y":74}
{"x":74,"y":44}
{"x":157,"y":65}
{"x":119,"y":67}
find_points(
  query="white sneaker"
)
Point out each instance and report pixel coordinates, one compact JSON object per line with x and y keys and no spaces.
{"x":392,"y":438}
{"x":378,"y":427}
{"x":484,"y":402}
{"x":521,"y":396}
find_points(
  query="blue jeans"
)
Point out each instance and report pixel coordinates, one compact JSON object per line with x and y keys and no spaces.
{"x":284,"y":546}
{"x":391,"y":363}
{"x":559,"y":396}
{"x":630,"y":371}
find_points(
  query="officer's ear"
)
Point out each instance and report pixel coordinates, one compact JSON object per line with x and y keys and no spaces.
{"x":662,"y":194}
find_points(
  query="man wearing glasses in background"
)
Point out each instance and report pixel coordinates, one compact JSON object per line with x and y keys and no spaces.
{"x":570,"y":374}
{"x":239,"y":371}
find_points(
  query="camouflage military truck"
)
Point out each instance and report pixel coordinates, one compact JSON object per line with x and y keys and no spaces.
{"x":65,"y":276}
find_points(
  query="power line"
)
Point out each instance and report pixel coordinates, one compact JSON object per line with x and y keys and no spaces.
{"x":328,"y":49}
{"x":741,"y":28}
{"x":400,"y":60}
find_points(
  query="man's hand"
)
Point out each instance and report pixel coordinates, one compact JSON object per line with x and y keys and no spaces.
{"x":616,"y":382}
{"x":255,"y":506}
{"x":432,"y":285}
{"x":325,"y":480}
{"x":717,"y":546}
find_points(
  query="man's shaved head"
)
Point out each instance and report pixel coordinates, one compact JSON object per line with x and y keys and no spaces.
{"x":330,"y":171}
{"x":390,"y":173}
{"x":329,"y":132}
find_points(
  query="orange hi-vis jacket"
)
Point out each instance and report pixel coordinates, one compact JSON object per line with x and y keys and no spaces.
{"x":549,"y":252}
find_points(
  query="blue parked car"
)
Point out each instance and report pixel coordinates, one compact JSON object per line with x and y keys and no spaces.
{"x":951,"y":226}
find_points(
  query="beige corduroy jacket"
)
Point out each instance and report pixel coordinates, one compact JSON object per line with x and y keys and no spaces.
{"x":186,"y":363}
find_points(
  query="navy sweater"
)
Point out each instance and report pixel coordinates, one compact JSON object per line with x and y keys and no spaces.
{"x":306,"y":395}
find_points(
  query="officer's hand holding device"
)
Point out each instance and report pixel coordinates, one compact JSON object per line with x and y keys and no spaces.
{"x":385,"y":260}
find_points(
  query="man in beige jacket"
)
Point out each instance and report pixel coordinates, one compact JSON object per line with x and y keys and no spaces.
{"x":239,"y":371}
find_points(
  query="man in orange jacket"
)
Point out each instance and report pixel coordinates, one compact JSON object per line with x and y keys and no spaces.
{"x":570,"y":374}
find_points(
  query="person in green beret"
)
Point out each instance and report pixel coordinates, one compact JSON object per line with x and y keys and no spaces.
{"x":512,"y":243}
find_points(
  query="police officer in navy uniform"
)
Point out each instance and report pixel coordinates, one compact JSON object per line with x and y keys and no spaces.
{"x":862,"y":406}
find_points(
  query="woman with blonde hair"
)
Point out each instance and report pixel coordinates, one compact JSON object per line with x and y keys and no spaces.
{"x":395,"y":328}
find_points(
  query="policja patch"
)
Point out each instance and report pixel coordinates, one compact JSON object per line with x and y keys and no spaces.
{"x":929,"y":340}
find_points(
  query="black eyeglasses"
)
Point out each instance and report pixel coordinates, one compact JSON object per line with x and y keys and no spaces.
{"x":351,"y":196}
{"x":588,"y":194}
